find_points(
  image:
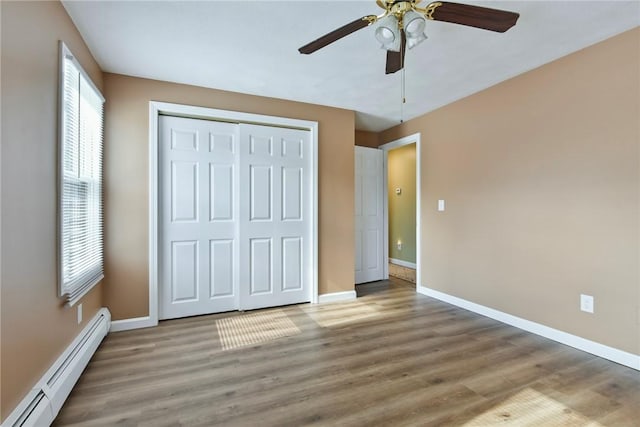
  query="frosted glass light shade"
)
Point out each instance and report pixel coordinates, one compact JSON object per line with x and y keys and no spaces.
{"x":388,"y":33}
{"x":414,"y":25}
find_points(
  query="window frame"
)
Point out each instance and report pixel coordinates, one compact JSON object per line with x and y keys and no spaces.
{"x":72,"y":294}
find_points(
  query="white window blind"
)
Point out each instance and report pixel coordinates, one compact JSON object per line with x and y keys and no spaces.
{"x":80,"y":204}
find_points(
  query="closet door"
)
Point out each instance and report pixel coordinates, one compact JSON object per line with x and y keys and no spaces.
{"x":198,"y":217}
{"x":275,"y":216}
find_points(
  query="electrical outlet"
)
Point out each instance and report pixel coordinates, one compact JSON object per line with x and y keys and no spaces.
{"x":586,"y":303}
{"x":399,"y":245}
{"x":79,"y":313}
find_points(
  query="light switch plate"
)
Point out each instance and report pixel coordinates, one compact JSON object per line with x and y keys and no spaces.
{"x":440,"y":205}
{"x":586,"y":303}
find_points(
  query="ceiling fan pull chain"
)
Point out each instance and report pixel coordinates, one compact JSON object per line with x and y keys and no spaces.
{"x":403,"y":99}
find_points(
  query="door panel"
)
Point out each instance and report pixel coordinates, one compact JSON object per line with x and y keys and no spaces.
{"x":221,"y":254}
{"x":221,"y":144}
{"x":198,"y":216}
{"x":221,"y":192}
{"x":275,"y":164}
{"x":291,"y":263}
{"x":184,"y":139}
{"x":260,"y":189}
{"x":260,"y":263}
{"x":292,"y":194}
{"x":369,"y":215}
{"x":260,"y":145}
{"x":184,"y":191}
{"x":184,"y":267}
{"x":372,"y":242}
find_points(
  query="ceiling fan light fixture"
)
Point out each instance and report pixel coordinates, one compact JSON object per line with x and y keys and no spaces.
{"x":414,"y":25}
{"x":388,"y":33}
{"x":414,"y":41}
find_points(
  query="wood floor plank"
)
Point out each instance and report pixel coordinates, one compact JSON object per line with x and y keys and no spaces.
{"x":391,"y":357}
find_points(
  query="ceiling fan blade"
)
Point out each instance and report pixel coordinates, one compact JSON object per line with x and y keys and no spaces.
{"x":473,"y":16}
{"x":337,"y":34}
{"x":395,"y":60}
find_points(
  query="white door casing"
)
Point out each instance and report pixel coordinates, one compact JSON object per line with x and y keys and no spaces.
{"x":275,"y":167}
{"x":369,"y":215}
{"x":235,"y":216}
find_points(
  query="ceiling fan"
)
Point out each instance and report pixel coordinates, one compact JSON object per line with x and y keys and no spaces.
{"x":403,"y":22}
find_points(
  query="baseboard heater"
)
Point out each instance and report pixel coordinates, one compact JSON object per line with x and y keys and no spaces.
{"x":42,"y":404}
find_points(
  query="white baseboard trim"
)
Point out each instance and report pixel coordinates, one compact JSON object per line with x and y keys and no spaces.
{"x":133,"y":323}
{"x":41,"y":405}
{"x":601,"y":350}
{"x":402,"y":263}
{"x":337,"y":296}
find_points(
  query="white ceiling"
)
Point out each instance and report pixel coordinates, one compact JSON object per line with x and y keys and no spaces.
{"x":251,"y":47}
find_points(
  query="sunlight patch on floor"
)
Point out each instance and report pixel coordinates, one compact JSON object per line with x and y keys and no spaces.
{"x":254,"y":328}
{"x":340,"y":314}
{"x":531,"y":408}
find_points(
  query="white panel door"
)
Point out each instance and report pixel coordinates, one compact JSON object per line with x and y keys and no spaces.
{"x":275,"y":216}
{"x":198,"y":216}
{"x":369,"y":215}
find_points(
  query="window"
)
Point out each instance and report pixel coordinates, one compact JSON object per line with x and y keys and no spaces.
{"x":80,"y":180}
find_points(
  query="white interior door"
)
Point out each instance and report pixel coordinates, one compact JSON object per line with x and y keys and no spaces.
{"x":236,"y":226}
{"x":275,"y":216}
{"x":198,"y":217}
{"x":369,"y":214}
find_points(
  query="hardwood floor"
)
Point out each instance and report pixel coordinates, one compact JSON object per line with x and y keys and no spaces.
{"x":392,"y":357}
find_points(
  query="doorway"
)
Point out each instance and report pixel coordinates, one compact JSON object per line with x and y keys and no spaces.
{"x":401,"y":196}
{"x":372,"y":225}
{"x":402,"y":208}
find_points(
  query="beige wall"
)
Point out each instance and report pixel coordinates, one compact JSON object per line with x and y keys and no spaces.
{"x":541,"y":180}
{"x":35,"y":327}
{"x":126,"y":175}
{"x":401,"y":173}
{"x":540,"y":174}
{"x":367,"y":139}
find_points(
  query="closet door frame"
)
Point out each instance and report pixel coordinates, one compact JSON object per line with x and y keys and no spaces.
{"x":163,"y":108}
